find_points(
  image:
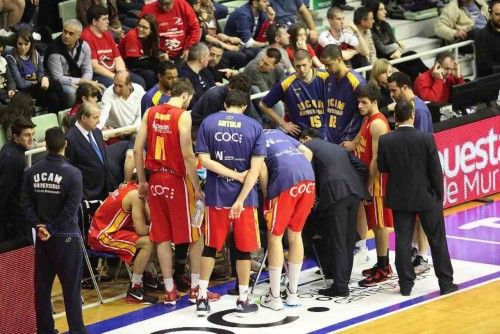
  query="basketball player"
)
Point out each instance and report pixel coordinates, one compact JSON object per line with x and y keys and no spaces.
{"x":231,"y":147}
{"x":287,"y":182}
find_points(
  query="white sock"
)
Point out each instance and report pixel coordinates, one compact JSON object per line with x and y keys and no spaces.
{"x":243,"y":292}
{"x":361,"y":243}
{"x":293,"y":276}
{"x":169,"y":283}
{"x":414,"y":245}
{"x":195,"y":278}
{"x":202,"y":294}
{"x":136,"y":279}
{"x":423,"y":255}
{"x":150,"y":268}
{"x":274,"y":279}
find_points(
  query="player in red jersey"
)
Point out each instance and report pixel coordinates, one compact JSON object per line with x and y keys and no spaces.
{"x":378,"y":217}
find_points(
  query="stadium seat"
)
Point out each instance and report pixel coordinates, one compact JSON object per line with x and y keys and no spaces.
{"x":43,"y":123}
{"x":67,"y":10}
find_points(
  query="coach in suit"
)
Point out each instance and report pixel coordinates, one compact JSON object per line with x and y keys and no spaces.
{"x":415,"y":186}
{"x":86,"y":151}
{"x":340,"y":186}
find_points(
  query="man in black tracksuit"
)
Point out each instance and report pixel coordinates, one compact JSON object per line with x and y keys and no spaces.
{"x":52,"y":192}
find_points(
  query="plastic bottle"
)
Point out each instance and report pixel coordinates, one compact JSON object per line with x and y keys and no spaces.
{"x":199,"y":211}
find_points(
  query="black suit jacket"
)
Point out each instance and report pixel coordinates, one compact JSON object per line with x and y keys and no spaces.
{"x":97,"y":180}
{"x":415,"y":180}
{"x":338,"y":173}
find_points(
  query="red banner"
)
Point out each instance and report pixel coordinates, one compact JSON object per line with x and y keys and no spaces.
{"x":470,"y":157}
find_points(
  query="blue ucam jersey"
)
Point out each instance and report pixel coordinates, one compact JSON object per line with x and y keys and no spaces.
{"x":232,"y":140}
{"x":286,"y":165}
{"x":342,"y":119}
{"x":423,"y":118}
{"x":304,"y":101}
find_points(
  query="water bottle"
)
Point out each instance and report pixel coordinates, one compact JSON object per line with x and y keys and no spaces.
{"x":199,"y":211}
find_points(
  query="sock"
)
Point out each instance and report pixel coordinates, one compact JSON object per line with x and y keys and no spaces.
{"x":195,"y":279}
{"x":361,"y":243}
{"x":169,"y":283}
{"x":423,"y":255}
{"x":382,"y":261}
{"x":274,"y":280}
{"x":293,"y":276}
{"x":136,"y":279}
{"x":150,"y":268}
{"x":202,"y":294}
{"x":243,"y":292}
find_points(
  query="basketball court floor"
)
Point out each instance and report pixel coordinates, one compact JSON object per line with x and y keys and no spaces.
{"x":473,"y":232}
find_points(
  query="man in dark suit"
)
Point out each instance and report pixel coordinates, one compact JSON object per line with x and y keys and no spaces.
{"x":340,"y":186}
{"x":86,"y":151}
{"x":415,"y":187}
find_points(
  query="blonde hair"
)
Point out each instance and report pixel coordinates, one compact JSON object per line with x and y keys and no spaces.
{"x":380,"y":66}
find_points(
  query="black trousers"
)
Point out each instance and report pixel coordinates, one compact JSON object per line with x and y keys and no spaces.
{"x":61,"y":256}
{"x":340,"y":220}
{"x":433,"y":225}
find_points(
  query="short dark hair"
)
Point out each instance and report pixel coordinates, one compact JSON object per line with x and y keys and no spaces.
{"x":85,"y":110}
{"x":310,"y":132}
{"x":95,"y":13}
{"x":331,"y":51}
{"x":275,"y":54}
{"x":236,"y":98}
{"x":400,"y":79}
{"x":360,"y":14}
{"x":301,"y":54}
{"x":403,"y":111}
{"x":215,"y":45}
{"x":271,"y":33}
{"x":182,"y":85}
{"x":21,"y":123}
{"x":85,"y":90}
{"x":240,"y":82}
{"x":54,"y":139}
{"x":165,"y":65}
{"x":443,"y":55}
{"x":371,"y":91}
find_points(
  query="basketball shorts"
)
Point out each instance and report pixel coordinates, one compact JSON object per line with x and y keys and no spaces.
{"x":377,"y":215}
{"x":121,"y":243}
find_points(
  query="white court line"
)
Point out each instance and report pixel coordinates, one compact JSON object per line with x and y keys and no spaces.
{"x":472,"y":239}
{"x":62,"y":314}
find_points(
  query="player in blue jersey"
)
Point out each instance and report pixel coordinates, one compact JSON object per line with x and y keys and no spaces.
{"x":231,"y":147}
{"x":160,"y":93}
{"x":287,"y":182}
{"x":303,"y":95}
{"x":341,"y":118}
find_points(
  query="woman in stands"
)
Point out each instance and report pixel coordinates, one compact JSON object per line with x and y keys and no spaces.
{"x":20,"y":105}
{"x":84,"y":93}
{"x":298,"y":40}
{"x":381,"y":71}
{"x":386,"y":44}
{"x":140,"y":51}
{"x":26,"y":67}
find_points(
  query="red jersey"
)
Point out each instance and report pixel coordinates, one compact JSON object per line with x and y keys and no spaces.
{"x":164,"y":147}
{"x":130,"y":45}
{"x":178,"y":29}
{"x":102,"y":48}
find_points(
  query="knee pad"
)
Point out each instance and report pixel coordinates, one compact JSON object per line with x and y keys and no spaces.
{"x":209,"y":252}
{"x":242,"y":255}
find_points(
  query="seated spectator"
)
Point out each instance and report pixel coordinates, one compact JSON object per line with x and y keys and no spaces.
{"x":26,"y":66}
{"x":160,"y":93}
{"x":121,"y":104}
{"x":12,"y":11}
{"x":220,"y":10}
{"x":279,"y":38}
{"x":219,"y":67}
{"x":434,"y":85}
{"x":195,"y":69}
{"x":139,"y":49}
{"x":67,"y":61}
{"x":386,"y":44}
{"x":82,"y":7}
{"x":488,"y":43}
{"x":344,"y":35}
{"x":105,"y":57}
{"x":287,"y":11}
{"x":7,"y":84}
{"x":298,"y":40}
{"x":380,"y":73}
{"x":178,"y":28}
{"x":84,"y":93}
{"x":363,"y":19}
{"x":461,"y":20}
{"x":21,"y":105}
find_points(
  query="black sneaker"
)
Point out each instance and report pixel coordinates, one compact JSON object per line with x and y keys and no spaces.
{"x":152,"y":283}
{"x":202,"y":307}
{"x":449,"y":288}
{"x":135,"y":295}
{"x":244,"y":308}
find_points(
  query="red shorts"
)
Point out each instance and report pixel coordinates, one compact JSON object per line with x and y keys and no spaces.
{"x":171,"y":203}
{"x":121,"y":243}
{"x":245,"y":228}
{"x":377,"y":214}
{"x":290,"y":209}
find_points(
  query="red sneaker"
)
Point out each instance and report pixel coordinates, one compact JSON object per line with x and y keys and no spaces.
{"x":193,"y":295}
{"x":171,"y":296}
{"x":370,"y":272}
{"x":380,"y":275}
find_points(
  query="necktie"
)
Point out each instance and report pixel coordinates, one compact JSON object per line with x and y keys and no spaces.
{"x":95,"y":147}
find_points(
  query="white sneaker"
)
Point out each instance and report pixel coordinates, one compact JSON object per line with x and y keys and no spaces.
{"x":36,"y":36}
{"x":361,"y":257}
{"x":269,"y":301}
{"x":292,"y":299}
{"x":420,"y":265}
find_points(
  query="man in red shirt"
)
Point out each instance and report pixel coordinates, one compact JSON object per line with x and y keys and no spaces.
{"x":178,"y":26}
{"x":434,"y":85}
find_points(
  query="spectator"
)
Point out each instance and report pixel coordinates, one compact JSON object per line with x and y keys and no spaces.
{"x":461,"y":20}
{"x":12,"y":165}
{"x":434,"y":85}
{"x":488,"y":43}
{"x":160,"y":93}
{"x":344,"y":35}
{"x":264,"y":72}
{"x":386,"y":44}
{"x":26,"y":66}
{"x":84,"y":93}
{"x":279,"y":38}
{"x":12,"y":10}
{"x":218,"y":66}
{"x":82,"y":7}
{"x":67,"y":60}
{"x":298,"y":41}
{"x":178,"y":28}
{"x":7,"y":84}
{"x":220,"y":10}
{"x":105,"y":57}
{"x":195,"y":69}
{"x":363,"y":19}
{"x":140,"y":51}
{"x":21,"y":105}
{"x":379,"y":75}
{"x":287,"y":11}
